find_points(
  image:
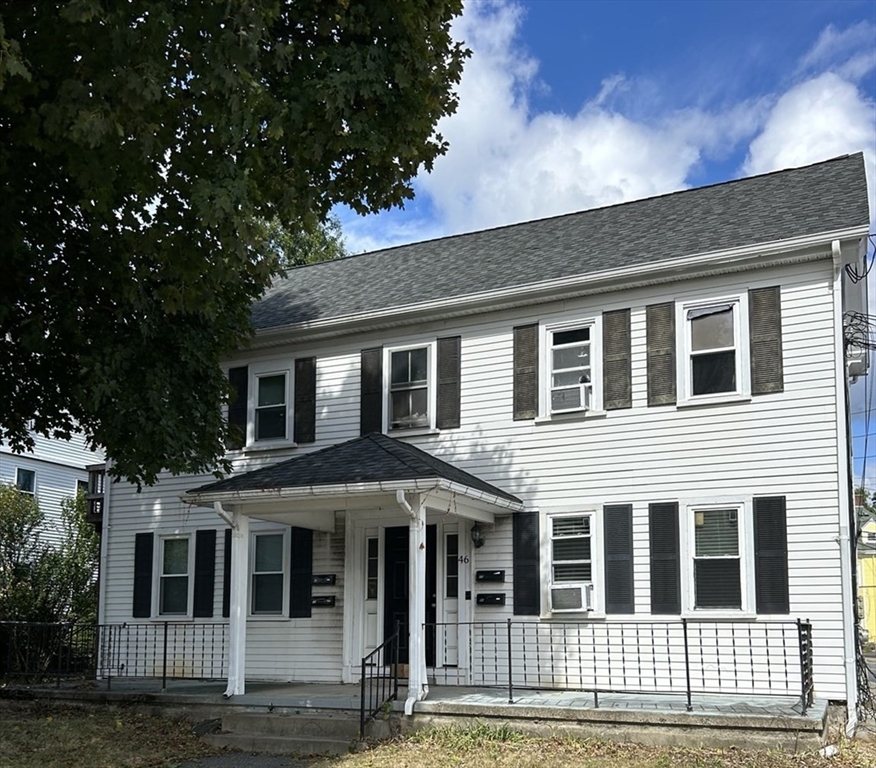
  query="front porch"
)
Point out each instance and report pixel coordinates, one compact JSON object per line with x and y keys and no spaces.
{"x":714,"y":720}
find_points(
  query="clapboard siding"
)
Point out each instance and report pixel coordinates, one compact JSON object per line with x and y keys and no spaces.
{"x":782,"y":443}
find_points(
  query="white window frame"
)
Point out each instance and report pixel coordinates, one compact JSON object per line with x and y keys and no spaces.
{"x":739,"y":302}
{"x":431,"y":387}
{"x":547,"y":331}
{"x":283,"y":613}
{"x":19,"y":470}
{"x":261,"y":371}
{"x":746,"y":558}
{"x":157,"y":570}
{"x":593,"y":594}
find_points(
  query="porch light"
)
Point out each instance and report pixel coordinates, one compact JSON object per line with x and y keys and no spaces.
{"x":477,"y":536}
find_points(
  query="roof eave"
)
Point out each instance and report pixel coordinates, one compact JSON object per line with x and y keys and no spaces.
{"x":345,"y":490}
{"x":760,"y":255}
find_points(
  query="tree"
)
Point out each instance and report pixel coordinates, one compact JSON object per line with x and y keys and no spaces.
{"x":42,"y":582}
{"x":306,"y":245}
{"x":142,"y":147}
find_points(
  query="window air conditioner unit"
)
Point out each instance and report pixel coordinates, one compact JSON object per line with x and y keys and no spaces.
{"x":568,"y":598}
{"x":857,"y":361}
{"x":575,"y":398}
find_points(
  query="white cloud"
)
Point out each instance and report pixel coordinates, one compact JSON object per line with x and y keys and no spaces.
{"x":507,"y":163}
{"x":815,"y":120}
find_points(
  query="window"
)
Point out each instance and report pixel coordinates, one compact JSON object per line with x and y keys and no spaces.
{"x":715,"y":349}
{"x":571,"y":562}
{"x":871,"y":537}
{"x":410,"y":395}
{"x":372,"y":569}
{"x":451,"y":573}
{"x":570,"y":374}
{"x":570,"y":370}
{"x":174,"y":581}
{"x":270,"y":409}
{"x":25,"y":480}
{"x":81,"y":486}
{"x":719,"y":558}
{"x":268,"y":573}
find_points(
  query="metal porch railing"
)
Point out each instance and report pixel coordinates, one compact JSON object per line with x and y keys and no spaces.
{"x":379,"y":680}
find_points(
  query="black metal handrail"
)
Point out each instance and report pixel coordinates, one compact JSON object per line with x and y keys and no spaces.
{"x":380,"y":677}
{"x":38,"y":652}
{"x":681,"y":656}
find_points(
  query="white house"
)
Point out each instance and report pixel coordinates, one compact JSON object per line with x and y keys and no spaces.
{"x":53,"y":471}
{"x":622,"y":429}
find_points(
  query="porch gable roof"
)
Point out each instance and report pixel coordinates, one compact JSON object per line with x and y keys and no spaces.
{"x":363,"y":461}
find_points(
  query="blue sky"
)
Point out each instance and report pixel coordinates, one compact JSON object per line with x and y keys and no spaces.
{"x":570,"y":104}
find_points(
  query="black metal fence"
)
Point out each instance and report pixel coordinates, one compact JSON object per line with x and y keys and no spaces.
{"x":682,"y":656}
{"x":379,"y":681}
{"x":38,"y":653}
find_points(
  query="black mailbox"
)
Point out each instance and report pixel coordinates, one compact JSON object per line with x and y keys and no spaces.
{"x":323,"y":601}
{"x":489,"y":575}
{"x":323,"y":580}
{"x":491,"y":598}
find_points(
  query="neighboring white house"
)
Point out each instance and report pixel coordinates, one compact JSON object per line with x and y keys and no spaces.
{"x":596,"y":425}
{"x":53,"y":471}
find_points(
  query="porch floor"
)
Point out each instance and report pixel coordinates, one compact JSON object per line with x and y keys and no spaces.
{"x":445,"y":698}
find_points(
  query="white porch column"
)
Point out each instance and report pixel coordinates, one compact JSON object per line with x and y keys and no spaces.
{"x":418,"y":685}
{"x":237,"y":605}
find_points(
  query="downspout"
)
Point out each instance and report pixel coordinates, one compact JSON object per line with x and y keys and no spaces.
{"x":418,"y":687}
{"x":844,"y":490}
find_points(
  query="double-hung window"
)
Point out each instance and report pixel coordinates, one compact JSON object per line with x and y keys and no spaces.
{"x":25,"y":481}
{"x":570,"y":360}
{"x":715,"y":349}
{"x":410,"y":399}
{"x":571,"y":562}
{"x":271,"y":419}
{"x":718,"y":553}
{"x":268,"y":573}
{"x":174,"y":575}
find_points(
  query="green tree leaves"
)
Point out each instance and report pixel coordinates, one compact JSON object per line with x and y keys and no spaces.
{"x":142,"y":145}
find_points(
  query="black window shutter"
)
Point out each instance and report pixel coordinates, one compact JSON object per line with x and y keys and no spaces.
{"x":525,"y":372}
{"x":617,"y":375}
{"x":305,"y":400}
{"x":665,"y":566}
{"x":226,"y":576}
{"x":765,"y":340}
{"x":660,"y":320}
{"x":371,"y":392}
{"x":205,"y":573}
{"x":618,"y":538}
{"x":143,"y":548}
{"x":301,"y":573}
{"x":448,"y":382}
{"x":237,"y":408}
{"x":771,"y":555}
{"x":527,"y":576}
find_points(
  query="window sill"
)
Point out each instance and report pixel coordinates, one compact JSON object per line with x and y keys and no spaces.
{"x":719,"y":615}
{"x":256,"y":448}
{"x":266,"y":617}
{"x":413,"y":432}
{"x":722,"y":400}
{"x":559,"y":418}
{"x":572,"y":616}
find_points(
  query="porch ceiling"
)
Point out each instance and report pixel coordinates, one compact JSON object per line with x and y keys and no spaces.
{"x":364,"y":473}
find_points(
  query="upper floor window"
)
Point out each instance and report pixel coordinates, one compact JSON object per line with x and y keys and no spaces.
{"x":571,"y":379}
{"x":174,"y":575}
{"x":410,"y":388}
{"x":714,"y":351}
{"x":271,"y":407}
{"x":570,"y":367}
{"x":25,"y":480}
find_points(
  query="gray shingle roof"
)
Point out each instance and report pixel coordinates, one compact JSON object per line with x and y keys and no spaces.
{"x":824,"y":197}
{"x":370,"y":459}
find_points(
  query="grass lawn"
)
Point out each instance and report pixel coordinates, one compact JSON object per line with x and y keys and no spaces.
{"x":42,"y":737}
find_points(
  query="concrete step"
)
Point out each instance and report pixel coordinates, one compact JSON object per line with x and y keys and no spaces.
{"x":278,"y":745}
{"x":340,"y":726}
